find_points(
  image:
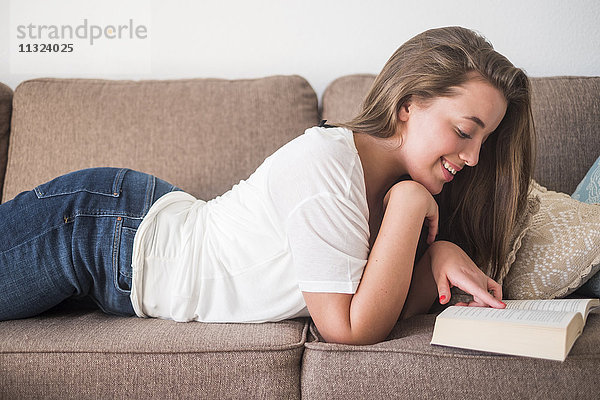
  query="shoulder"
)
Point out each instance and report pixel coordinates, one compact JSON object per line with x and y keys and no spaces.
{"x":324,"y":152}
{"x":321,"y":161}
{"x":329,"y":143}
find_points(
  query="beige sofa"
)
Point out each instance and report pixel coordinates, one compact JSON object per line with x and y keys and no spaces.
{"x":204,"y":135}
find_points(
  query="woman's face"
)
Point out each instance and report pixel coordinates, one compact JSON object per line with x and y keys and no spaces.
{"x":444,"y":135}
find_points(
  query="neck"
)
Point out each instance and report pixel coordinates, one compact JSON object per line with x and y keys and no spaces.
{"x":380,"y":166}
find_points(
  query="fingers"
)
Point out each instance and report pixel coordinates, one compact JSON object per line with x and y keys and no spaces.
{"x":452,"y":267}
{"x":444,"y":291}
{"x":477,"y":303}
{"x":480,"y":294}
{"x":473,"y":303}
{"x":495,"y":287}
{"x":486,"y":299}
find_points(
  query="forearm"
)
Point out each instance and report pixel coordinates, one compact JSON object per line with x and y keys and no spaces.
{"x":385,"y":283}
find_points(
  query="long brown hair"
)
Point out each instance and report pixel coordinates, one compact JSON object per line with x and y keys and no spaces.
{"x":480,"y":207}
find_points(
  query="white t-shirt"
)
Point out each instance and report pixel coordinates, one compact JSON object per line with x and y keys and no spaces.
{"x":298,"y":223}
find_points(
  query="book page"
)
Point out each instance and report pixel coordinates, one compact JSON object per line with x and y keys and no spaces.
{"x":555,"y":319}
{"x":563,"y":305}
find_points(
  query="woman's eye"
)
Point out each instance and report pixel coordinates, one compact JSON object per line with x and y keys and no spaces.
{"x":462,"y":134}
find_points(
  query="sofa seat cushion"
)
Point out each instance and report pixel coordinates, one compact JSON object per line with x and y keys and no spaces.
{"x":85,"y":353}
{"x":407,"y":366}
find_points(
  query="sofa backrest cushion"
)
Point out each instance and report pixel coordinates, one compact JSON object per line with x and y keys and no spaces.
{"x":6,"y":96}
{"x":203,"y":135}
{"x":566,"y":112}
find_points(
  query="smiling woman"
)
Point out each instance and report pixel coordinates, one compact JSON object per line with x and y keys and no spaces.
{"x":438,"y":99}
{"x":480,"y":206}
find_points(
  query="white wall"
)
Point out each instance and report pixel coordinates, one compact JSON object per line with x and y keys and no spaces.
{"x":317,"y":39}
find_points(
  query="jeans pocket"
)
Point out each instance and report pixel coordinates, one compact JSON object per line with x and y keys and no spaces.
{"x":103,"y":181}
{"x":122,"y":257}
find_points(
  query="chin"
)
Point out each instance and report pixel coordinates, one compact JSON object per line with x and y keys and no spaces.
{"x":437,"y":191}
{"x":433,"y":187}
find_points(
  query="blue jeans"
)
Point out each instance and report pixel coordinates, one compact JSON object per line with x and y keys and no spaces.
{"x":72,"y":237}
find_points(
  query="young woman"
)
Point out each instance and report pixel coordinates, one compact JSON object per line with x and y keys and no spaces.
{"x":328,"y":226}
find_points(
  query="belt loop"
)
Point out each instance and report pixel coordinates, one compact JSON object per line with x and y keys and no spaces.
{"x":117,"y":184}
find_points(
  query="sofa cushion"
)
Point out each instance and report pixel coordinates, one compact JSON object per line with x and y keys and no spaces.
{"x":565,"y":111}
{"x":86,"y":354}
{"x":203,"y":135}
{"x":6,"y":95}
{"x":343,"y":97}
{"x":406,"y":366}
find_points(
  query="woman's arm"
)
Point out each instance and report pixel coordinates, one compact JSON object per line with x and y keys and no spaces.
{"x":369,"y":315}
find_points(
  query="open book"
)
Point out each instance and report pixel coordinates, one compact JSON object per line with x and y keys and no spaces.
{"x":533,"y":328}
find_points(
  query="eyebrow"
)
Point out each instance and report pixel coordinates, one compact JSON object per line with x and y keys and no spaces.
{"x":476,"y":120}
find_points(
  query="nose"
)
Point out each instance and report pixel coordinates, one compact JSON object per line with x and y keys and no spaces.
{"x":470,"y":154}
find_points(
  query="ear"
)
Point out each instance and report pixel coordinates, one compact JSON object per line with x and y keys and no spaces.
{"x":405,"y":110}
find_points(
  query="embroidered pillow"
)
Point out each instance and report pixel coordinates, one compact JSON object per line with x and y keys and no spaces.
{"x":559,"y":251}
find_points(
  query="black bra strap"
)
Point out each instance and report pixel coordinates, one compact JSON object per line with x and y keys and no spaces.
{"x":322,"y":124}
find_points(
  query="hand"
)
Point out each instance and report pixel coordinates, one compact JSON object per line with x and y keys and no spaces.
{"x":431,"y":207}
{"x":451,"y":266}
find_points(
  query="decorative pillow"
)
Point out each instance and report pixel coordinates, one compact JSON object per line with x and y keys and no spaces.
{"x":559,"y":251}
{"x":588,"y":191}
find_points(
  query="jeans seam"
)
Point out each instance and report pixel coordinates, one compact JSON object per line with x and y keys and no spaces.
{"x":41,"y":195}
{"x":118,"y":182}
{"x":108,"y":213}
{"x":115,"y":257}
{"x":35,"y":237}
{"x":124,"y":231}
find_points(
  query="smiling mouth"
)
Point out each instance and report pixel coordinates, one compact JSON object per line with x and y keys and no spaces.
{"x":446,"y":172}
{"x":448,"y":167}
